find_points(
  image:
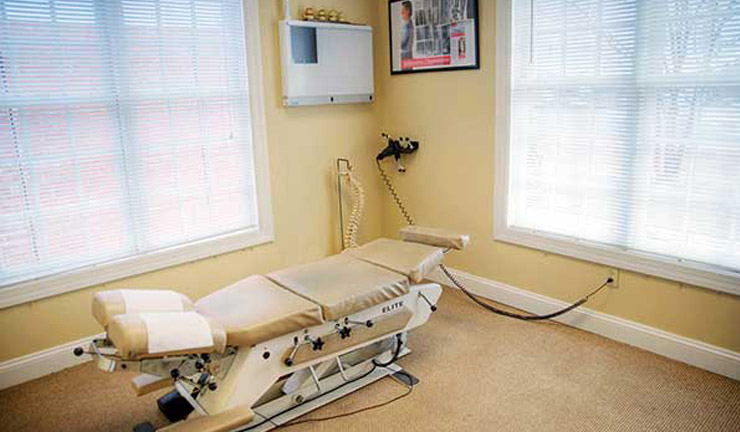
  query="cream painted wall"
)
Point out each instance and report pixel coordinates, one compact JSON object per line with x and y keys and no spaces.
{"x":449,"y":183}
{"x":303,"y":144}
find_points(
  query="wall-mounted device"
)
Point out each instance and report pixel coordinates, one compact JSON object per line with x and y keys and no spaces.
{"x":397,"y":148}
{"x":326,"y":63}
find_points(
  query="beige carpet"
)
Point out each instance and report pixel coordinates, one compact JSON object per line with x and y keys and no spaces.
{"x":479,"y":372}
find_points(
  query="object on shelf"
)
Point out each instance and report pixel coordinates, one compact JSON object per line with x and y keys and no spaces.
{"x":321,"y":15}
{"x":333,"y":15}
{"x":309,"y":14}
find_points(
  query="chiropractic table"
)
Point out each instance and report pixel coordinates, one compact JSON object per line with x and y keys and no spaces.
{"x":267,"y":349}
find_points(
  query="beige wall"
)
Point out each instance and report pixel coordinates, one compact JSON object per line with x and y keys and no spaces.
{"x":450,"y":183}
{"x":303,"y":144}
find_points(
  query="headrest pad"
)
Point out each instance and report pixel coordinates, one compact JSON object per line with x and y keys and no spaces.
{"x":159,"y":334}
{"x":435,"y":237}
{"x":414,"y":260}
{"x":107,"y":304}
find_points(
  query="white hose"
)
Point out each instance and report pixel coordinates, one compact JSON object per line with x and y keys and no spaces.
{"x":355,"y":217}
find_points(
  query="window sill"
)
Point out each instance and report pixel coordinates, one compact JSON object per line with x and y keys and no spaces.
{"x":48,"y":286}
{"x":688,"y":272}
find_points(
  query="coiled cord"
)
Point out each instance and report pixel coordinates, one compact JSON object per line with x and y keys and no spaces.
{"x":394,"y":194}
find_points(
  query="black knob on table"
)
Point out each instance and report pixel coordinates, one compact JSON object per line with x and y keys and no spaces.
{"x":318,"y":344}
{"x":78,"y":351}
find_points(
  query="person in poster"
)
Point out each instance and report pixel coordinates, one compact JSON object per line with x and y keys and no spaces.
{"x":407,"y":31}
{"x":433,"y":35}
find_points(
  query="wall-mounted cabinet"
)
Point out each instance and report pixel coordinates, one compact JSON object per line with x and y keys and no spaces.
{"x":326,"y":63}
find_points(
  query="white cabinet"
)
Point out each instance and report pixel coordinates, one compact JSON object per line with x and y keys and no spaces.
{"x":326,"y":63}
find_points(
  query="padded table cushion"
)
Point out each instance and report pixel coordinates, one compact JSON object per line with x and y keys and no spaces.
{"x":130,"y":335}
{"x":342,"y":285}
{"x":435,"y":237}
{"x":107,"y":304}
{"x":255,"y":309}
{"x":414,"y":260}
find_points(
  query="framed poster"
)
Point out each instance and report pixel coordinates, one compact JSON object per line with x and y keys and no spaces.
{"x":433,"y":35}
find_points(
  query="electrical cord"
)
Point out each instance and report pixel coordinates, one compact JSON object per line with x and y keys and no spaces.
{"x":522,"y":317}
{"x":528,"y":317}
{"x":388,"y":184}
{"x":396,"y":354}
{"x":305,"y":401}
{"x":409,"y":390}
{"x":376,"y":364}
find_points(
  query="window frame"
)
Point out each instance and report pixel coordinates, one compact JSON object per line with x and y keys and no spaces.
{"x":666,"y":267}
{"x":73,"y":280}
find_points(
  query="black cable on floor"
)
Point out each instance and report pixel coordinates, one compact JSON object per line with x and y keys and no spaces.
{"x":376,"y":364}
{"x":409,"y":390}
{"x":396,"y":354}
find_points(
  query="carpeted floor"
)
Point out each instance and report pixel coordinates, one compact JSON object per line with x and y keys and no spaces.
{"x":478,"y":372}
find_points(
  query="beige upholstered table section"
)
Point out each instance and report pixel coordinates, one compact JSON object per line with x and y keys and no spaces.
{"x":342,"y":285}
{"x":255,"y":309}
{"x":414,"y":260}
{"x":435,"y":237}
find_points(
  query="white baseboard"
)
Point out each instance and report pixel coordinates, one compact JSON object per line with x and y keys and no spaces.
{"x":702,"y":355}
{"x":38,"y":364}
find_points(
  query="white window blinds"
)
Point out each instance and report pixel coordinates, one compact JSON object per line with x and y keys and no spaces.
{"x":124,"y":129}
{"x":625,"y":125}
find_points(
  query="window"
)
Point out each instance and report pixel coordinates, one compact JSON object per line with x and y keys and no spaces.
{"x":619,"y":134}
{"x":130,"y":139}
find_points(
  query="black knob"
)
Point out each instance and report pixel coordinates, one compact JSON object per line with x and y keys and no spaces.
{"x":434,"y":308}
{"x":369,"y":324}
{"x":175,"y":373}
{"x":78,"y":351}
{"x":288,"y":362}
{"x":212,"y":386}
{"x":318,"y":344}
{"x":345,"y":332}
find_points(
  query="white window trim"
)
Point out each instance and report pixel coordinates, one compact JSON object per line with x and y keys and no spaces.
{"x":74,"y":280}
{"x":670,"y":268}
